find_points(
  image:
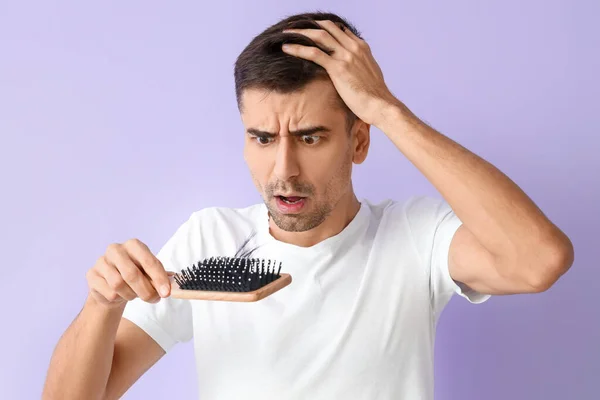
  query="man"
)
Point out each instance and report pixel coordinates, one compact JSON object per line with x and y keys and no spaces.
{"x":369,"y":280}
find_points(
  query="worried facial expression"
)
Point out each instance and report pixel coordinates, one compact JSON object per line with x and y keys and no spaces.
{"x":300,"y":151}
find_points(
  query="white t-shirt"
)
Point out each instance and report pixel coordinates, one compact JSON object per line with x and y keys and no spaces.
{"x":358,"y":320}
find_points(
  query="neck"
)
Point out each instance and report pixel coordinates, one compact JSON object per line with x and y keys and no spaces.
{"x":339,"y":218}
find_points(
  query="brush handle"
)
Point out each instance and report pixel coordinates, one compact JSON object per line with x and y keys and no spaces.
{"x":256,"y":295}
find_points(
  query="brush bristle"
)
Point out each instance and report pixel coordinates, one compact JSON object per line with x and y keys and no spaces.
{"x":228,"y":274}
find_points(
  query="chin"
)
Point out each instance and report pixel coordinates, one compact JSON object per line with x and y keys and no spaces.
{"x":297,"y":222}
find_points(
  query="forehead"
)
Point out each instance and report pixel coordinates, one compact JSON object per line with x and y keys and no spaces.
{"x":318,"y":100}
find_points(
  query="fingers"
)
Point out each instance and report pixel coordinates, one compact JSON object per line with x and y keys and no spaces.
{"x":126,"y":272}
{"x":360,"y":42}
{"x":101,"y":291}
{"x":340,"y":35}
{"x":133,"y":276}
{"x":115,"y":281}
{"x":342,"y":41}
{"x":142,"y":256}
{"x":313,"y":54}
{"x":320,"y":37}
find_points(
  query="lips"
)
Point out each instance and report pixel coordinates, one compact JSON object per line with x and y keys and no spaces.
{"x":290,"y":204}
{"x":291,"y":199}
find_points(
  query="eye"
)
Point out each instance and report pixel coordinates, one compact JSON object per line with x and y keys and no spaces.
{"x":309,"y":139}
{"x":262,"y":140}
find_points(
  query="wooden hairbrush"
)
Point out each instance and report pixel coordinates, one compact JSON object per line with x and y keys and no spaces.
{"x":240,"y":279}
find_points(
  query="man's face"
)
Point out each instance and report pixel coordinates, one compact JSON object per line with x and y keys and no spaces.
{"x":299,"y":153}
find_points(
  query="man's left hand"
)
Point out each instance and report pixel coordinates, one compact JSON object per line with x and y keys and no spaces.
{"x":354,"y":72}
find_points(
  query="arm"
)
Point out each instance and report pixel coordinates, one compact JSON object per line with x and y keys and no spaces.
{"x":100,"y":356}
{"x":505,"y":244}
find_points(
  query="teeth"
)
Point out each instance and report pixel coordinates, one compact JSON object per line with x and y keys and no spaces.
{"x":288,"y":201}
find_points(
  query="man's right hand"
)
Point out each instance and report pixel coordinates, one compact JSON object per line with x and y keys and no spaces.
{"x":127,"y":271}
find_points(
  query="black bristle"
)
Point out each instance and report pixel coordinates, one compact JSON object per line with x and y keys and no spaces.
{"x":227,"y":274}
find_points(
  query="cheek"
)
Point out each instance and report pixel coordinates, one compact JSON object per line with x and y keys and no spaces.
{"x":325,"y":171}
{"x":257,"y":163}
{"x":338,"y":172}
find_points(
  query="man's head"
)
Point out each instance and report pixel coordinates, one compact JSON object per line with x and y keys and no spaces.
{"x":301,"y":139}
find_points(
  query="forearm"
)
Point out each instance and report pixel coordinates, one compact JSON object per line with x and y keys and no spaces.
{"x":498,"y":213}
{"x":81,"y":363}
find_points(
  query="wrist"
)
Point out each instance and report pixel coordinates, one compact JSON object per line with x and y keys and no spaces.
{"x":393,"y":114}
{"x":104,"y":310}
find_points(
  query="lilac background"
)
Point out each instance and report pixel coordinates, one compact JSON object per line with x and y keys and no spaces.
{"x":107,"y":112}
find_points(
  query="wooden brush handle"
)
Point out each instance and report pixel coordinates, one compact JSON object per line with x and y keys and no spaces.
{"x":258,"y":294}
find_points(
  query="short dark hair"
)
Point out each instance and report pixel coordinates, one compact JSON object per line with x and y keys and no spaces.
{"x":264,"y":65}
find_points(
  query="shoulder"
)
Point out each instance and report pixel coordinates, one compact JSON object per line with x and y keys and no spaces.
{"x":414,"y":209}
{"x":422,"y":221}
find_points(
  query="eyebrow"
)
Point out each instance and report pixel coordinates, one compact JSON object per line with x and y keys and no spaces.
{"x":301,"y":132}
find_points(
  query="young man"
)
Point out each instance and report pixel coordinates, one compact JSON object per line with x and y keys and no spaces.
{"x":369,"y":280}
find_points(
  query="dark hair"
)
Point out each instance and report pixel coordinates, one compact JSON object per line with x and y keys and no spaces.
{"x":264,"y":65}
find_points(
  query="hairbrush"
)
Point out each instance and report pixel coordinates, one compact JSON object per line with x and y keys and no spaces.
{"x":229,"y":279}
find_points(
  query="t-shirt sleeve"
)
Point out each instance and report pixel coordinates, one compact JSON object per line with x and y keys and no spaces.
{"x":169,"y":321}
{"x":433,"y":224}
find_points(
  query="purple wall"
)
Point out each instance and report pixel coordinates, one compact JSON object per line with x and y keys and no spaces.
{"x":107,"y":111}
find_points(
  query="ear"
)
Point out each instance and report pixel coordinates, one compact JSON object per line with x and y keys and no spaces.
{"x":361,"y":139}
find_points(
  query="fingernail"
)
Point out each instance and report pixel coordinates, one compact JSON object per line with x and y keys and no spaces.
{"x":164,"y":290}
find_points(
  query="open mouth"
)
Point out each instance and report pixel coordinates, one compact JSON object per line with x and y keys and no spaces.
{"x":291,"y":200}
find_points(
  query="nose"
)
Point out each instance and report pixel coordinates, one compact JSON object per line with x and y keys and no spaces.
{"x":286,"y":162}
